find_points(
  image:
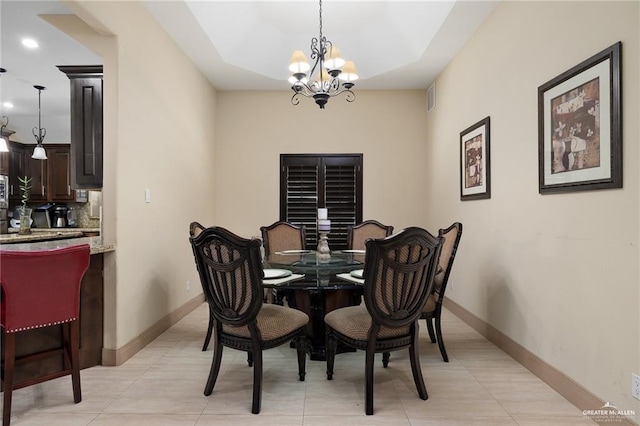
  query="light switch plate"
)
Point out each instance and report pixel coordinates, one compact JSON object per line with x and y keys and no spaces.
{"x":147,"y":195}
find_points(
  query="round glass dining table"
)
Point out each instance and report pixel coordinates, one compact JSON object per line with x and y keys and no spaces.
{"x":319,"y":292}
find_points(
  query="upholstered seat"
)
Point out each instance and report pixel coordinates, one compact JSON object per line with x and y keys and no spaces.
{"x":230,"y":270}
{"x":398,"y":280}
{"x":41,"y":289}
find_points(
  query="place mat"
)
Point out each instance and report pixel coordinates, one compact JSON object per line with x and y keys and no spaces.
{"x":348,"y":277}
{"x":280,"y":281}
{"x":270,"y":274}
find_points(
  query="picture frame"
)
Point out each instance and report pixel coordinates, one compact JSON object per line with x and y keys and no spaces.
{"x":580,"y":126}
{"x":475,"y":164}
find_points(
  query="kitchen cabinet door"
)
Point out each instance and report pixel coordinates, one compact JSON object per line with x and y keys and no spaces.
{"x":59,"y":179}
{"x":37,"y":171}
{"x":17,"y":167}
{"x":86,"y":125}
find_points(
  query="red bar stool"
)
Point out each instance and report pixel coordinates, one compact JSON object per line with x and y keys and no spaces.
{"x":41,"y":289}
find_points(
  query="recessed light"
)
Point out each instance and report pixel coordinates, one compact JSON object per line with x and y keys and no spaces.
{"x":7,"y":104}
{"x":29,"y":43}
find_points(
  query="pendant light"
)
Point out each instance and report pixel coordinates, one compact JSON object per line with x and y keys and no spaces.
{"x":39,"y":153}
{"x":329,"y":69}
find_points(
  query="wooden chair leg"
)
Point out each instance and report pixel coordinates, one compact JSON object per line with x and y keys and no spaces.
{"x":74,"y":355}
{"x":368,"y":373}
{"x":9,"y":363}
{"x":215,"y":367}
{"x":331,"y":344}
{"x":414,"y":356}
{"x":432,"y":335}
{"x":385,"y":359}
{"x":249,"y":359}
{"x":443,"y":351}
{"x":207,"y":338}
{"x":257,"y":381}
{"x":302,"y":357}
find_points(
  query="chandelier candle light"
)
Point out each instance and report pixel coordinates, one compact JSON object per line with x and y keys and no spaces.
{"x":39,"y":153}
{"x":324,"y":227}
{"x":328,"y":70}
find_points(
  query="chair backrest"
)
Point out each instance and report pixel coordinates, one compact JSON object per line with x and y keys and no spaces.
{"x":231,"y":274}
{"x":283,"y":236}
{"x":357,"y":235}
{"x":195,"y":229}
{"x":398,"y":275}
{"x":451,"y":236}
{"x":41,"y":288}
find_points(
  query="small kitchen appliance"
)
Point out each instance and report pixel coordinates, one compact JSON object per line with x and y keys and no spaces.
{"x":60,"y":217}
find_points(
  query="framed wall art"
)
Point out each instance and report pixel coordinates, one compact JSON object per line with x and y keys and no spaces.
{"x":475,"y":165}
{"x":580,"y":126}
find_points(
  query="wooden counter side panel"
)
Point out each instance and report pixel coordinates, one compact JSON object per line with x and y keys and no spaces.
{"x":91,"y":330}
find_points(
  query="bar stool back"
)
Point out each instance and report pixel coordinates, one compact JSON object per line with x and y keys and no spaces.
{"x":41,"y":289}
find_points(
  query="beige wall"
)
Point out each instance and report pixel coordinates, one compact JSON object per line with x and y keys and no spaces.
{"x":556,"y":273}
{"x":254,"y":128}
{"x":159,"y":135}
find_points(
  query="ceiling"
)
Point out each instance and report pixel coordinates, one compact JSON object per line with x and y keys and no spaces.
{"x":240,"y":45}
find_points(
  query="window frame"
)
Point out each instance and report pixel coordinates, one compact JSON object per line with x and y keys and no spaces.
{"x":321,"y":161}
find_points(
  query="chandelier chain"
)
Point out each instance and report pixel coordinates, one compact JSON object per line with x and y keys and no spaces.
{"x":320,"y":19}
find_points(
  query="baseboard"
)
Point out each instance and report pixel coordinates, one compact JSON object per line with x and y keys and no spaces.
{"x":560,"y":382}
{"x":115,"y":357}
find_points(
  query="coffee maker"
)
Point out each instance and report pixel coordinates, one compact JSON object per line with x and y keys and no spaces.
{"x":59,"y":216}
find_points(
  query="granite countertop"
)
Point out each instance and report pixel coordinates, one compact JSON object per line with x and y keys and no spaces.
{"x":96,"y":244}
{"x":63,"y":230}
{"x":37,"y":236}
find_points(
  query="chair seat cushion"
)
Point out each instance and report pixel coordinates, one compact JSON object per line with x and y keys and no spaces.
{"x":274,"y":321}
{"x":355,"y":321}
{"x":430,"y":305}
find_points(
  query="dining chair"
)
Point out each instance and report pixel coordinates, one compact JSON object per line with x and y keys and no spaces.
{"x":281,"y":236}
{"x":195,"y":229}
{"x":398,"y":279}
{"x":41,"y":289}
{"x":432,"y":310}
{"x":231,"y":273}
{"x":357,"y":235}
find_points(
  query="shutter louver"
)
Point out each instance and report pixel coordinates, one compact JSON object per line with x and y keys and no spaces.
{"x":302,"y":199}
{"x":340,"y":200}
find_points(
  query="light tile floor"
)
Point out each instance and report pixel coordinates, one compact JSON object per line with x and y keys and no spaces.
{"x":163,"y":385}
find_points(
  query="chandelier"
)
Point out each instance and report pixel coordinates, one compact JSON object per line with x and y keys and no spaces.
{"x":39,"y":153}
{"x":329,"y":69}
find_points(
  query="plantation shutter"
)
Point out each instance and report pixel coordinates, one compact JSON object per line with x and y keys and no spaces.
{"x":334,"y":181}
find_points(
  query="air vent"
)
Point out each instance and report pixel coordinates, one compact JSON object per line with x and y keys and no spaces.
{"x":431,"y":97}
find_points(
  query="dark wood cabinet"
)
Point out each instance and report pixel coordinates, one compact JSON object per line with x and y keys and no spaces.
{"x":59,"y":174}
{"x":17,"y":168}
{"x":37,"y":171}
{"x":50,"y":178}
{"x":86,"y":125}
